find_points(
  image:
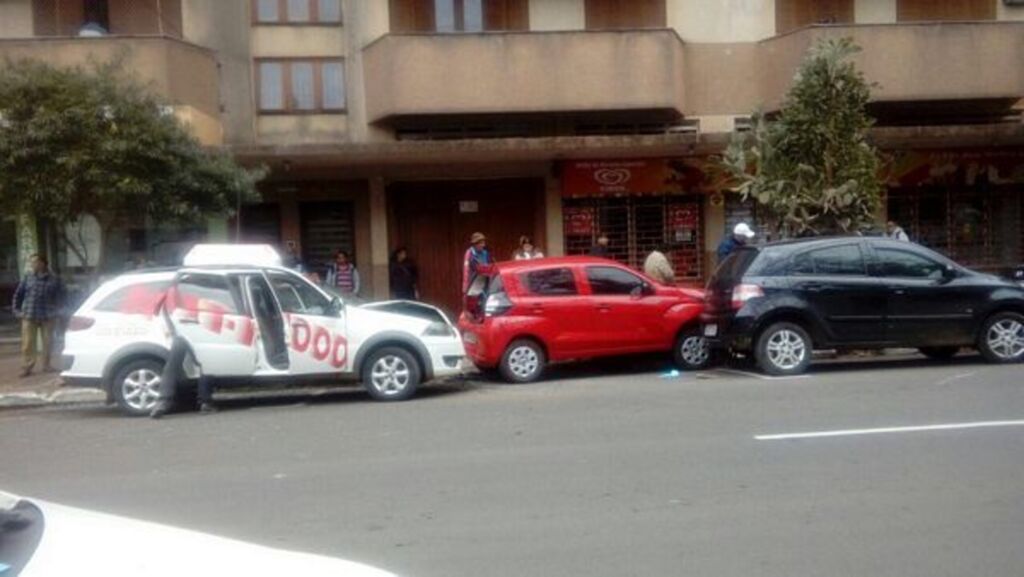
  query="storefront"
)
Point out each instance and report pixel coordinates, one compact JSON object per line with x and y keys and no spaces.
{"x":640,"y":205}
{"x":967,"y":204}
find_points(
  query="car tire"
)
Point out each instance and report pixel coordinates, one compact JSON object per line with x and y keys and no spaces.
{"x":1002,"y":338}
{"x":691,"y":351}
{"x":784,"y":349}
{"x":523,"y":362}
{"x":136,"y":386}
{"x":391,"y":374}
{"x":939,"y":353}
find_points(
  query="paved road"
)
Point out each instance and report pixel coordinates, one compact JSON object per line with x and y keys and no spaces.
{"x":599,"y":472}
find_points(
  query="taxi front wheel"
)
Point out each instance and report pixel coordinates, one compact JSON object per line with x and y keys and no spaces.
{"x":391,"y":374}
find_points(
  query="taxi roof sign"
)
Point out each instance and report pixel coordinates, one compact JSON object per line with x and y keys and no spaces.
{"x":232,"y":254}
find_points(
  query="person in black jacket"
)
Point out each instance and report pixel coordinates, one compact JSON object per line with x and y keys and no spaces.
{"x":403,"y":276}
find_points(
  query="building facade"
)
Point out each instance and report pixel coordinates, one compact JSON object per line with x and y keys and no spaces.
{"x":414,"y":123}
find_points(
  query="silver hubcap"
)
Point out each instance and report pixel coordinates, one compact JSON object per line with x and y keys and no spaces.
{"x":390,"y":375}
{"x":141,"y":389}
{"x":695,"y":350}
{"x":523,"y":361}
{"x":1006,"y":339}
{"x":786,"y":350}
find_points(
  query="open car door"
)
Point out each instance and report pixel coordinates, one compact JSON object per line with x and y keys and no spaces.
{"x":232,"y":324}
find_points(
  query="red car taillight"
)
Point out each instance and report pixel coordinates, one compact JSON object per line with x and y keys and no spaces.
{"x":80,"y":323}
{"x":743,"y":293}
{"x":497,"y":304}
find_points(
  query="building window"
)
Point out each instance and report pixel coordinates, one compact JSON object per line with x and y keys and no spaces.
{"x":301,"y":86}
{"x":944,"y":10}
{"x":297,"y":12}
{"x":619,"y":14}
{"x":448,"y":16}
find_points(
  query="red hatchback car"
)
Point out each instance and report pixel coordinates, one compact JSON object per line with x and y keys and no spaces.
{"x":524,"y":314}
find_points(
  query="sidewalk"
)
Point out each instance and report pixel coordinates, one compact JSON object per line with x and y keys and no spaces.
{"x":39,"y":389}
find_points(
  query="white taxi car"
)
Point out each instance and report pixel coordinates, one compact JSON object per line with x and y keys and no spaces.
{"x":250,"y":322}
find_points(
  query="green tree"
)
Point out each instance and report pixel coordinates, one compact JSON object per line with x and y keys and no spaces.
{"x":95,"y":141}
{"x":811,"y":169}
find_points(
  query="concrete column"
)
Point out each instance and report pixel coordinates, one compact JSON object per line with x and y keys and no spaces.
{"x":554,"y":230}
{"x":379,"y":238}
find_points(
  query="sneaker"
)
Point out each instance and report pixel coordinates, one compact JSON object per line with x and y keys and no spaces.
{"x":207,"y":408}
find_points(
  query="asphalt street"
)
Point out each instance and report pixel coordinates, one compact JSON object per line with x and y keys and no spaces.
{"x":596,"y":472}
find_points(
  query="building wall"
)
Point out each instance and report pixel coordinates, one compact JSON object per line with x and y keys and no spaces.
{"x":557,"y":15}
{"x":15,"y":18}
{"x":722,"y":20}
{"x":224,"y":27}
{"x":875,"y":11}
{"x":297,"y":41}
{"x":1015,"y":13}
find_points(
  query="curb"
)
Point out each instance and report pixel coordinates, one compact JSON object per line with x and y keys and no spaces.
{"x":65,"y":396}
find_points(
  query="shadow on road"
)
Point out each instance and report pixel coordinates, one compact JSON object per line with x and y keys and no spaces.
{"x":232,"y":400}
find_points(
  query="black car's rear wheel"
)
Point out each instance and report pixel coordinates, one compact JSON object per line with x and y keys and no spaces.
{"x":1002,"y":338}
{"x":784,"y":349}
{"x":939,"y":353}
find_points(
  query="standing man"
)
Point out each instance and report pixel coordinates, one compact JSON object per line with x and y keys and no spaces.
{"x":657,"y":266}
{"x":896,"y":232}
{"x":36,"y":304}
{"x":741,"y":235}
{"x":601,"y":248}
{"x":343,"y":276}
{"x":476,"y":260}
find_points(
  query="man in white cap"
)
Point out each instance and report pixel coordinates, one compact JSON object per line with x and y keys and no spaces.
{"x":741,"y":235}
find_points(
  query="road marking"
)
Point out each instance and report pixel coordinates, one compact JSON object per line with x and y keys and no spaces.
{"x":762,"y":377}
{"x":853,"y":432}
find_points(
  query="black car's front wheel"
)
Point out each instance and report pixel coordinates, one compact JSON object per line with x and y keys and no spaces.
{"x":784,"y":349}
{"x":1002,"y":338}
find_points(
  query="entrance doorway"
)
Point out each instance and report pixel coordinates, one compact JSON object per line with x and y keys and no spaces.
{"x":434,"y":220}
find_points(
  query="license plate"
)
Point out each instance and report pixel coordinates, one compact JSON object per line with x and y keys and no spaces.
{"x":711,"y":330}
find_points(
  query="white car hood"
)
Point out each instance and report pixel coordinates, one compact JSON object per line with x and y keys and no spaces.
{"x":382,"y":316}
{"x":77,"y":542}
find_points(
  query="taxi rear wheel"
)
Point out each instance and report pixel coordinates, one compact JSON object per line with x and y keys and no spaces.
{"x":136,"y":386}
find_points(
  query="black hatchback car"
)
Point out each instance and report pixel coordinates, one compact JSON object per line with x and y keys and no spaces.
{"x":783,"y":300}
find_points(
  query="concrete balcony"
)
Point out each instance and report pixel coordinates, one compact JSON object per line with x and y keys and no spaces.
{"x":182,"y":74}
{"x":524,"y":72}
{"x":911,"y":62}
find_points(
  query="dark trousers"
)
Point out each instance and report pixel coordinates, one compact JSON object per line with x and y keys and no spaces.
{"x":174,"y":372}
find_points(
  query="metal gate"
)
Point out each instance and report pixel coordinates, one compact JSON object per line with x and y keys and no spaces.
{"x":637,"y":225}
{"x":327,"y":227}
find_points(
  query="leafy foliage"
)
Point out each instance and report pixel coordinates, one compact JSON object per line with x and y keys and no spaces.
{"x":94,"y":141}
{"x":812,"y":169}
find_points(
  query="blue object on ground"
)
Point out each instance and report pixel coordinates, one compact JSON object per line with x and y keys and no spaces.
{"x":673,"y":374}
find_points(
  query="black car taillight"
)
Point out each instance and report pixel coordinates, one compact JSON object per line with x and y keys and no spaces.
{"x":497,"y":304}
{"x":743,"y":293}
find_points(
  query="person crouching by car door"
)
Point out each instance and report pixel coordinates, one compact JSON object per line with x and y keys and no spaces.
{"x":343,"y":276}
{"x":174,"y":371}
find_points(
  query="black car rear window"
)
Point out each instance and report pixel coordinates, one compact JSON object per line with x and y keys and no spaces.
{"x":734,"y":267}
{"x":550,"y":282}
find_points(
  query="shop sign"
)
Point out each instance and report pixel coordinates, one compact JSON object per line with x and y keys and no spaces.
{"x":955,"y":167}
{"x":579,"y":221}
{"x":588,"y":178}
